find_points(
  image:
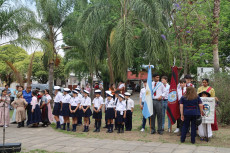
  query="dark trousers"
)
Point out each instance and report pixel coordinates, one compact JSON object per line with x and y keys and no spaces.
{"x":157,"y":111}
{"x":29,"y":114}
{"x":186,"y":124}
{"x":128,"y":120}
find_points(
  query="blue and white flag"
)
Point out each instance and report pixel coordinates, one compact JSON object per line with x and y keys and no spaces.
{"x":148,"y":104}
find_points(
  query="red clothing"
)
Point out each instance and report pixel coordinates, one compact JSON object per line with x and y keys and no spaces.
{"x":215,"y":125}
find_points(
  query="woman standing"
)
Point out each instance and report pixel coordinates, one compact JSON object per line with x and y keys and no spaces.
{"x":190,"y":107}
{"x":205,"y":87}
{"x":4,"y":101}
{"x":36,"y":112}
{"x":50,"y":116}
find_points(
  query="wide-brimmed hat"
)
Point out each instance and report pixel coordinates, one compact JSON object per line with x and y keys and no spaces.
{"x":19,"y":94}
{"x":122,"y":96}
{"x":85,"y":91}
{"x":75,"y":91}
{"x":127,"y":94}
{"x":204,"y":92}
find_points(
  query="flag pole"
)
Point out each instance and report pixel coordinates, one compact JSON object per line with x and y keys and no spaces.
{"x":150,"y":116}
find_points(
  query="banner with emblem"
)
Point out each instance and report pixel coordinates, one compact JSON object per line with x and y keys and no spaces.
{"x":208,"y":109}
{"x":173,"y":110}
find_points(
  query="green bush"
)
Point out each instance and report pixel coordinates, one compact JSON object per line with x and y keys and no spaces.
{"x":221,"y":83}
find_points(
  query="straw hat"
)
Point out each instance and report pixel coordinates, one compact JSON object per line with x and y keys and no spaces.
{"x":19,"y":94}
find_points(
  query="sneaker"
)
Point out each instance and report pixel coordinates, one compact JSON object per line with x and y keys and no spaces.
{"x":5,"y":126}
{"x":142,"y":130}
{"x":169,"y":130}
{"x":177,"y":130}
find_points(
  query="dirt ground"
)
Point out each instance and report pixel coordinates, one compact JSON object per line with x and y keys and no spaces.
{"x":220,"y":138}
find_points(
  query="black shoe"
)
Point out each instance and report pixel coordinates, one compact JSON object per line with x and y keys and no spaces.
{"x":13,"y":122}
{"x":98,"y":130}
{"x":161,"y":133}
{"x":95,"y":130}
{"x":84,"y":129}
{"x":153,"y":132}
{"x":19,"y":125}
{"x":119,"y":130}
{"x":64,"y":125}
{"x":22,"y":124}
{"x":87,"y":129}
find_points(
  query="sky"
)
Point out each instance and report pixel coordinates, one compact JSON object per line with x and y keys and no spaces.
{"x":31,"y":49}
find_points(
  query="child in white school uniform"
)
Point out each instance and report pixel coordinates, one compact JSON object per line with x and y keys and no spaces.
{"x":65,"y":108}
{"x":129,"y":111}
{"x":57,"y":106}
{"x":74,"y":109}
{"x":79,"y":118}
{"x":85,"y":109}
{"x":105,"y":108}
{"x":120,"y":113}
{"x":97,"y":110}
{"x":110,"y":112}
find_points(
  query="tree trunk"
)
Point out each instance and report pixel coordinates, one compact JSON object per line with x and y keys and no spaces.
{"x":51,"y":77}
{"x":18,"y":75}
{"x":29,"y":72}
{"x":215,"y":35}
{"x":111,"y":75}
{"x":91,"y":85}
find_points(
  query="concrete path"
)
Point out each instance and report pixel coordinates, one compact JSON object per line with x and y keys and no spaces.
{"x":53,"y":141}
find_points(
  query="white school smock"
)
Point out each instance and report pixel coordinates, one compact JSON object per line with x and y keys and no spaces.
{"x":110,"y":103}
{"x":75,"y":101}
{"x":86,"y":101}
{"x":98,"y":101}
{"x":66,"y":99}
{"x":121,"y":106}
{"x":58,"y":97}
{"x":130,"y":104}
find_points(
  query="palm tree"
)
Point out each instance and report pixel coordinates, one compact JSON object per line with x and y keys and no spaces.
{"x":51,"y":18}
{"x":15,"y":25}
{"x":111,"y":26}
{"x":215,"y":35}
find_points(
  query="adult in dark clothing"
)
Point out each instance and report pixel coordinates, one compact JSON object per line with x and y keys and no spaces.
{"x":190,"y":107}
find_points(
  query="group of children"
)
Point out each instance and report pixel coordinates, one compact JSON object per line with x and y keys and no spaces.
{"x":39,"y":109}
{"x":118,"y":109}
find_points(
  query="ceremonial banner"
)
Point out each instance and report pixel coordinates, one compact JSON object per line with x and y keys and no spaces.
{"x":208,"y":109}
{"x":148,"y":103}
{"x":173,"y":111}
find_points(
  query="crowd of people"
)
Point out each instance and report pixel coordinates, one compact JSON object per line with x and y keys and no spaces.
{"x":34,"y":107}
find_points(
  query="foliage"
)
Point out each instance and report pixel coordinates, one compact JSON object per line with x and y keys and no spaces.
{"x":12,"y":57}
{"x":221,"y":85}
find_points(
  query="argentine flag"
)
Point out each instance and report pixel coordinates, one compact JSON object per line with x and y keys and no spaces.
{"x":148,"y":104}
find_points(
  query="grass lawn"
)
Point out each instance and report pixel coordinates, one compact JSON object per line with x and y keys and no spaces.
{"x":221,"y":138}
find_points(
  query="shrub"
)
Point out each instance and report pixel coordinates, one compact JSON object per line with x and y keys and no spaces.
{"x":221,"y":83}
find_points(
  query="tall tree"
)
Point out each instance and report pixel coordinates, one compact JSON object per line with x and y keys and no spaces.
{"x":51,"y":18}
{"x":110,"y":26}
{"x":215,"y":35}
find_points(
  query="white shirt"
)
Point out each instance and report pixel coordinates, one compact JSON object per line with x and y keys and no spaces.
{"x":48,"y":97}
{"x":130,"y":104}
{"x":66,"y":99}
{"x":166,"y":92}
{"x":121,"y":86}
{"x":80,"y":96}
{"x":179,"y":92}
{"x":58,"y":97}
{"x":34,"y":102}
{"x":160,"y":90}
{"x":121,"y":106}
{"x":98,"y":101}
{"x":110,"y":103}
{"x":142,"y":94}
{"x":75,"y":101}
{"x":86,"y":101}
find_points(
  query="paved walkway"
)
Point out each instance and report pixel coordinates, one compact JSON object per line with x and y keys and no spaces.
{"x":50,"y":140}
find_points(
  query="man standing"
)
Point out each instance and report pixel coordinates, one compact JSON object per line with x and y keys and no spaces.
{"x":158,"y":90}
{"x":27,"y":95}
